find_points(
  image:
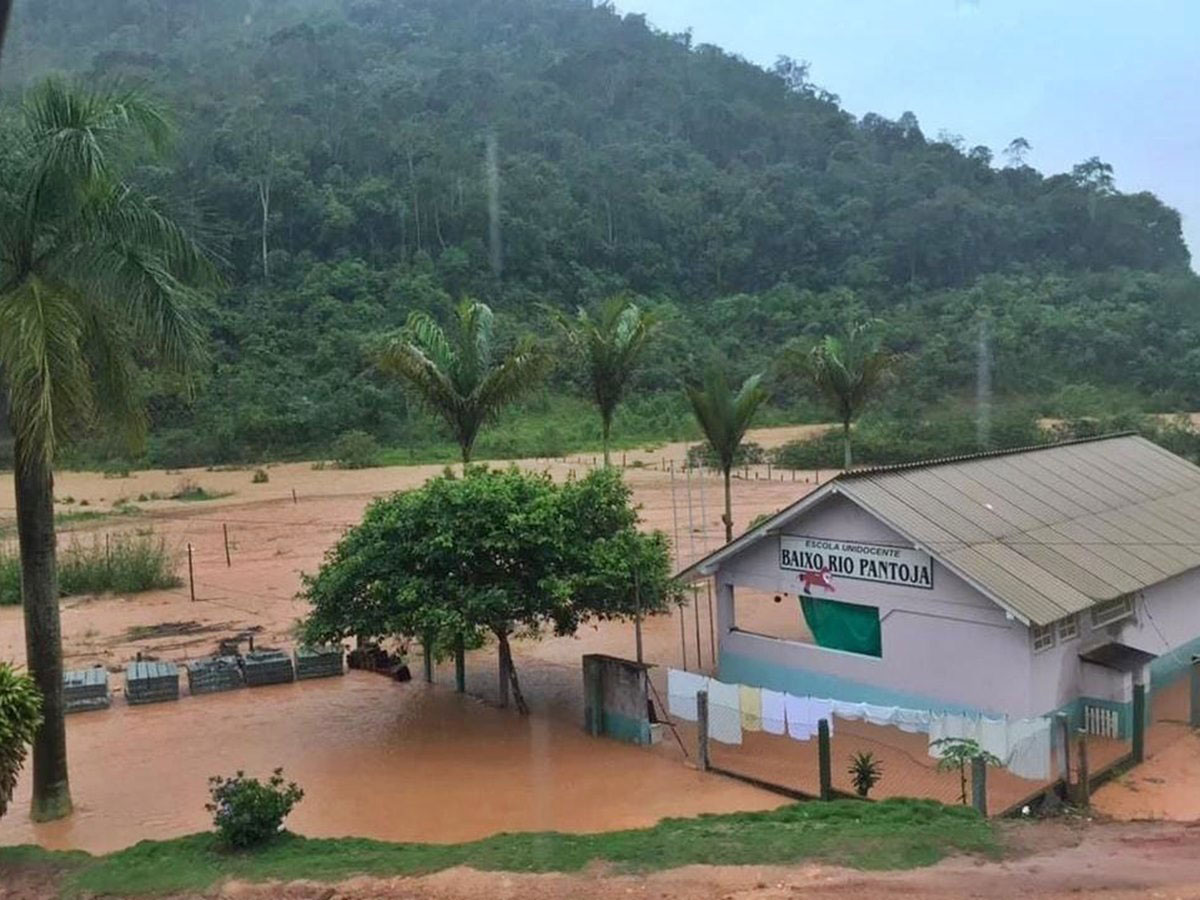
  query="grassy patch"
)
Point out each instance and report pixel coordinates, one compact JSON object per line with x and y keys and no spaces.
{"x":123,"y":564}
{"x":893,"y":834}
{"x":190,"y":492}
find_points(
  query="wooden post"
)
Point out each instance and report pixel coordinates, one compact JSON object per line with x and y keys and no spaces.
{"x":1083,"y":792}
{"x":770,"y":477}
{"x":702,"y":730}
{"x":1139,"y":722}
{"x":624,"y":465}
{"x":1194,"y":712}
{"x":979,"y":785}
{"x":1064,"y":724}
{"x":191,"y":574}
{"x":427,"y":644}
{"x":294,"y":500}
{"x":107,"y":551}
{"x":460,"y":665}
{"x":637,"y":615}
{"x":824,"y":760}
{"x":225,"y":531}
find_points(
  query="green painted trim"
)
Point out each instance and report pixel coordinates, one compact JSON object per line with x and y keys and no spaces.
{"x":1074,"y":712}
{"x":625,"y":728}
{"x":1172,"y":665}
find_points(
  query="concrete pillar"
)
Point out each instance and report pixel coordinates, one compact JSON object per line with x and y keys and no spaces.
{"x":1194,"y":711}
{"x":1139,"y":722}
{"x":824,"y":759}
{"x":702,"y":730}
{"x":979,"y":785}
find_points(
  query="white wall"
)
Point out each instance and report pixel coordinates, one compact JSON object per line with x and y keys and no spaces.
{"x":950,"y":646}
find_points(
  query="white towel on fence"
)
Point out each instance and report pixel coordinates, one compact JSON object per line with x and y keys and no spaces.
{"x":821,"y":709}
{"x":880,"y":715}
{"x":724,"y":712}
{"x":913,"y":720}
{"x":682,"y":688}
{"x":799,"y":724}
{"x":993,"y":737}
{"x":1029,"y":748}
{"x":773,"y":711}
{"x":949,"y":725}
{"x":845,"y":710}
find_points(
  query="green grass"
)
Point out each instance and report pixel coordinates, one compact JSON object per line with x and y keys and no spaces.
{"x":893,"y":834}
{"x":125,"y":564}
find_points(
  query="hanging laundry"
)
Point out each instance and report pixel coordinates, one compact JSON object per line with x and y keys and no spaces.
{"x":821,"y":709}
{"x":799,"y":720}
{"x":846,"y":710}
{"x":913,"y":720}
{"x":993,"y":737}
{"x":682,"y":688}
{"x":773,"y":711}
{"x":750,"y":699}
{"x":943,"y":726}
{"x":1029,"y":748}
{"x":724,"y":712}
{"x":880,"y":715}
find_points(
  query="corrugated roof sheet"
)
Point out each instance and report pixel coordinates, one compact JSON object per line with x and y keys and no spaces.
{"x":1049,"y":530}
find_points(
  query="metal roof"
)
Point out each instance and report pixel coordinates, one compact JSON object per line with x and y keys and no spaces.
{"x":1044,"y":531}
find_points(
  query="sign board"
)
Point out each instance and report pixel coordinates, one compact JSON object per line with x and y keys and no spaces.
{"x":852,"y":559}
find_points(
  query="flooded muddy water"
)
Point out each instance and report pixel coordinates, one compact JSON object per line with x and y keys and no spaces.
{"x":376,"y":758}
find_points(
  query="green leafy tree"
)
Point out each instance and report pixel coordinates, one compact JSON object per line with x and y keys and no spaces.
{"x":93,"y":278}
{"x":456,"y":374}
{"x":850,"y":370}
{"x":957,"y":754}
{"x":609,"y":345}
{"x":495,"y":554}
{"x":724,"y":417}
{"x":20,"y":716}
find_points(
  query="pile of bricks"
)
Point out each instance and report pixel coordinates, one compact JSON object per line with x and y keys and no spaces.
{"x":85,"y":689}
{"x":215,"y":674}
{"x":151,"y":682}
{"x":267,"y":667}
{"x":318,"y":662}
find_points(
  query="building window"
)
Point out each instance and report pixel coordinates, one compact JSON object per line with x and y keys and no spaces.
{"x":1043,"y":637}
{"x":1068,"y":628}
{"x":1112,"y":611}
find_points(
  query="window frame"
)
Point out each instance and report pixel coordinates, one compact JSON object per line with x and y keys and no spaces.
{"x":1114,"y":610}
{"x":1038,"y":635}
{"x":1071,"y":621}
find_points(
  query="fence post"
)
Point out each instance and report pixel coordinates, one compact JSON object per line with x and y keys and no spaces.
{"x":1194,"y":716}
{"x":1139,"y":722}
{"x":979,"y":785}
{"x":191,"y":574}
{"x":460,"y":665}
{"x":225,"y":531}
{"x":1083,"y":791}
{"x":824,"y":759}
{"x":428,"y":645}
{"x":1064,"y":724}
{"x":702,"y":730}
{"x":294,"y":500}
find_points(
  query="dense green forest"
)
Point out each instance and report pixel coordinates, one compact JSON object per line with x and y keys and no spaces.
{"x":352,"y":160}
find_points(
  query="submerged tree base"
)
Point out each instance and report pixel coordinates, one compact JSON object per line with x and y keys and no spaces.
{"x":55,"y":804}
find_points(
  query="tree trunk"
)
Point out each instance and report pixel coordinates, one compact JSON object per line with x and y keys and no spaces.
{"x":605,"y":430}
{"x":507,"y":668}
{"x":264,"y":198}
{"x":728,"y":517}
{"x":43,"y":631}
{"x":847,"y":460}
{"x":5,"y":9}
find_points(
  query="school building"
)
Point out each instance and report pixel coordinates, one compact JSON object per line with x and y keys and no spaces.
{"x":1020,"y":583}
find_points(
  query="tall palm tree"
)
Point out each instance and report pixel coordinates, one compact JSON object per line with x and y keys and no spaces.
{"x":724,"y":418}
{"x":850,"y":370}
{"x":610,"y":345}
{"x":92,"y":277}
{"x":454,"y":372}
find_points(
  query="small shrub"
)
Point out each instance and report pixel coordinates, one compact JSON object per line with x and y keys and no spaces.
{"x":188,"y":490}
{"x":748,"y":454}
{"x":355,"y":450}
{"x":20,"y":716}
{"x":247,"y":812}
{"x":126,"y":564}
{"x":957,"y":754}
{"x":865,"y":772}
{"x":260,"y":477}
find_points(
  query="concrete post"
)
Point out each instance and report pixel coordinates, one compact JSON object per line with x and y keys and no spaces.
{"x":979,"y":785}
{"x":1139,"y":722}
{"x":1194,"y":712}
{"x":702,"y":730}
{"x":1064,"y":726}
{"x":460,"y":665}
{"x":824,"y":759}
{"x":1083,"y":789}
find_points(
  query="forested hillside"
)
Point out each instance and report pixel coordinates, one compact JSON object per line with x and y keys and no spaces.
{"x":352,"y":160}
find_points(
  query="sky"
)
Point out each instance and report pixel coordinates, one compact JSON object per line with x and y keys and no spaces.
{"x":1118,"y":79}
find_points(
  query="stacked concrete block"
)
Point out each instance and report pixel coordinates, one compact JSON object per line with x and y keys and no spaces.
{"x":318,"y":662}
{"x":85,"y":689}
{"x":151,"y":682}
{"x":215,"y":674}
{"x":267,"y":667}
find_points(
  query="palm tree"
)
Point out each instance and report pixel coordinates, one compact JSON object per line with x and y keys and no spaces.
{"x":454,"y":373}
{"x":850,"y":370}
{"x":609,"y":345}
{"x":724,"y":418}
{"x":92,"y":277}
